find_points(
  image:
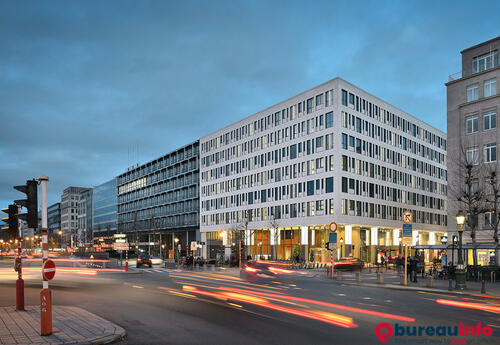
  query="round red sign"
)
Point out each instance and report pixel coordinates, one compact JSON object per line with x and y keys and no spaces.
{"x":333,"y":227}
{"x":48,"y":270}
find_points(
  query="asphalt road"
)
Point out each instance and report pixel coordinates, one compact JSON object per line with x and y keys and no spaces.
{"x":159,"y":306}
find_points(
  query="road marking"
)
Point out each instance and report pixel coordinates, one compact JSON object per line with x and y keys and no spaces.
{"x":138,"y":286}
{"x":341,"y":294}
{"x":234,"y":305}
{"x":160,"y":271}
{"x":366,"y":297}
{"x":388,"y":301}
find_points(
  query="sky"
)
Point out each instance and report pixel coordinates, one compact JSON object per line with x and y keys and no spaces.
{"x":89,"y":88}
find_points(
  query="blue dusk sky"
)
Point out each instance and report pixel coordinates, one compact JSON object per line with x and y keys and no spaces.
{"x":88,"y":88}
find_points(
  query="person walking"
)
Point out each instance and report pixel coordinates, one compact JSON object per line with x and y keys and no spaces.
{"x":414,"y":267}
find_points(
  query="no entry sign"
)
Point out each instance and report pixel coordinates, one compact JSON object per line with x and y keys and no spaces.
{"x":48,"y":270}
{"x":333,"y":226}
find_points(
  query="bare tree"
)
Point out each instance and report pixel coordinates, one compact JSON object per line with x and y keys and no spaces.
{"x":493,"y":203}
{"x":274,"y":225}
{"x":240,"y":230}
{"x":468,"y":191}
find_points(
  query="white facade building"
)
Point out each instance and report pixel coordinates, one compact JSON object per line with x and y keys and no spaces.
{"x":334,"y":153}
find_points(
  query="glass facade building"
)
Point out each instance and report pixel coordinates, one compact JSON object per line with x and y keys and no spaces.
{"x":104,"y":209}
{"x":158,"y":202}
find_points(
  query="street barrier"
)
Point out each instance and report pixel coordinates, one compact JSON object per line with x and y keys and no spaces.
{"x":430,"y":281}
{"x":359,"y":277}
{"x":380,"y":278}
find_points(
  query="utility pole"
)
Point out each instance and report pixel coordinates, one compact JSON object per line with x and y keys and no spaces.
{"x":19,"y":266}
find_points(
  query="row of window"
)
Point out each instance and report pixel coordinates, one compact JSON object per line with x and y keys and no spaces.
{"x":372,"y":210}
{"x":291,"y":191}
{"x":280,"y":136}
{"x":163,"y":162}
{"x":273,"y":120}
{"x":187,"y":206}
{"x":386,"y":117}
{"x":302,"y":149}
{"x":485,"y":62}
{"x":385,"y":136}
{"x":489,"y":122}
{"x":307,"y":168}
{"x":380,"y":172}
{"x":182,"y":220}
{"x":385,"y":155}
{"x":295,"y":210}
{"x":489,"y":89}
{"x":164,"y":198}
{"x":489,"y":154}
{"x":373,"y":190}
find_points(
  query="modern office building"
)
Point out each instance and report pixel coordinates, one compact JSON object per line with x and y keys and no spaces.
{"x":472,"y":107}
{"x":158,"y":202}
{"x":334,"y":153}
{"x":69,"y":214}
{"x":84,"y":234}
{"x":54,"y":224}
{"x":105,"y":209}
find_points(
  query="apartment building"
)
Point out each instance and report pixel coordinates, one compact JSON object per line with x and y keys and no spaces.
{"x":334,"y":153}
{"x":158,"y":202}
{"x":472,"y":107}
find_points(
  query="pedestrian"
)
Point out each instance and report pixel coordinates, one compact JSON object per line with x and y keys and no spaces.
{"x":414,"y":267}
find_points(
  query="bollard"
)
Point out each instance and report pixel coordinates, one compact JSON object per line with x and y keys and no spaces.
{"x":450,"y":285}
{"x":359,"y":277}
{"x":380,"y":278}
{"x":213,"y":268}
{"x":483,"y":287}
{"x":401,"y":280}
{"x":430,"y":281}
{"x":339,"y":275}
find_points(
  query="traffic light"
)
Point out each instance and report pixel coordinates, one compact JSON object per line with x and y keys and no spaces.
{"x":31,"y":203}
{"x":11,"y":221}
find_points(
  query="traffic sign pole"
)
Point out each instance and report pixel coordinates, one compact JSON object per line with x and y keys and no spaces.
{"x":45,"y":294}
{"x":19,"y":266}
{"x":126,"y":261}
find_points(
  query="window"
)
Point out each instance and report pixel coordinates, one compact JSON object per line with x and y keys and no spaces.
{"x":328,"y":98}
{"x":319,"y":99}
{"x":329,"y":184}
{"x":472,"y":92}
{"x":484,"y":62}
{"x":309,"y":105}
{"x":473,"y":156}
{"x":310,"y":187}
{"x":344,"y":97}
{"x":329,"y":119}
{"x":490,"y":87}
{"x":472,"y":124}
{"x":351,"y":99}
{"x":490,"y":120}
{"x":319,"y":142}
{"x":293,"y":151}
{"x":490,"y":153}
{"x":344,"y":141}
{"x":344,"y":184}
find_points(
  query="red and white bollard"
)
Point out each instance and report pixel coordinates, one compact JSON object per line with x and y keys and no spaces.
{"x":126,"y":261}
{"x":45,"y":294}
{"x":18,"y":266}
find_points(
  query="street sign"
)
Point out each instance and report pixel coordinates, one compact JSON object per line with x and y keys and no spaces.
{"x":120,"y":246}
{"x":194,"y":245}
{"x":120,"y":235}
{"x":48,"y":270}
{"x":332,"y":237}
{"x":333,"y":226}
{"x":332,"y":245}
{"x":407,"y":217}
{"x":407,"y":230}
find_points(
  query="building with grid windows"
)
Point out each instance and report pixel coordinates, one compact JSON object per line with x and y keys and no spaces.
{"x":334,"y":153}
{"x":158,"y":202}
{"x":473,"y":104}
{"x":69,"y":214}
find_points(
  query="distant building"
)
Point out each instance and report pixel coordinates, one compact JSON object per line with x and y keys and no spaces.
{"x":69,"y":214}
{"x":473,"y":103}
{"x":84,"y":235}
{"x":54,"y":218}
{"x":159,"y":201}
{"x":104,"y":209}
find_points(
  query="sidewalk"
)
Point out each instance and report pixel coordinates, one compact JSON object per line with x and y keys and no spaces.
{"x":392,"y":281}
{"x":70,"y":325}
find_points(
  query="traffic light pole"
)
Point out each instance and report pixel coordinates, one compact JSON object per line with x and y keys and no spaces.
{"x":45,"y":294}
{"x":19,"y":267}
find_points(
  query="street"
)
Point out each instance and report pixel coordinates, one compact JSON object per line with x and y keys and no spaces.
{"x":168,"y":306}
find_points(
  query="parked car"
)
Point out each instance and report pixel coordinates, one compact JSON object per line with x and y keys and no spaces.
{"x":349,"y":264}
{"x":144,"y":260}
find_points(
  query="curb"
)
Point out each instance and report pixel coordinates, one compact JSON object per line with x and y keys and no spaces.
{"x":410,"y":288}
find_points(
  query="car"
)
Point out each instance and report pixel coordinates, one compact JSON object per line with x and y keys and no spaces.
{"x":144,"y":260}
{"x":157,"y":260}
{"x":261,"y":270}
{"x":349,"y":264}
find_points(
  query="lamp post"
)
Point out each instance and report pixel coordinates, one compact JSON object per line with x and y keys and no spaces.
{"x":176,"y":240}
{"x":341,"y":242}
{"x":460,"y":273}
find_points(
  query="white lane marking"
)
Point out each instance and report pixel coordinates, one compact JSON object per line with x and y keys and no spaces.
{"x":366,"y":297}
{"x":341,"y":294}
{"x":159,"y":271}
{"x":388,"y":301}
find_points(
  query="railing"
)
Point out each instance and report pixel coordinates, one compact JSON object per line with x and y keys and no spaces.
{"x":455,"y":76}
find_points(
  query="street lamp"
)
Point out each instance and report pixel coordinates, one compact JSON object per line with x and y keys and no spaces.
{"x":341,"y":242}
{"x":460,"y":273}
